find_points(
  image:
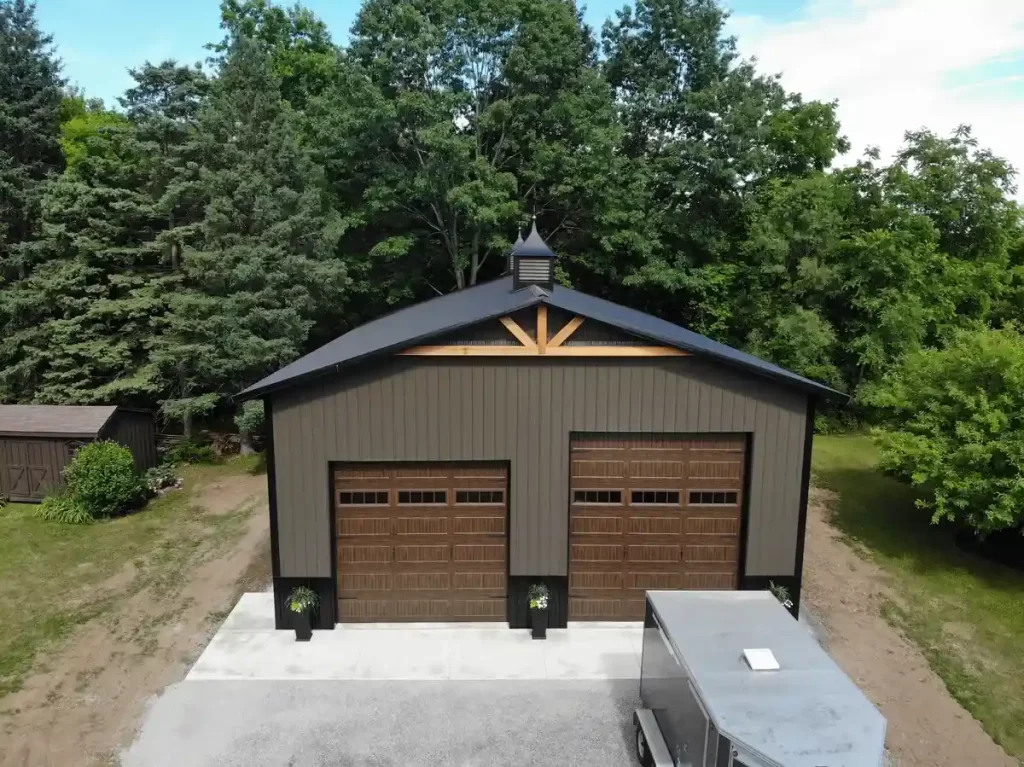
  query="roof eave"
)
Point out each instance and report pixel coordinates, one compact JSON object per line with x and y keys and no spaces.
{"x":256,"y":392}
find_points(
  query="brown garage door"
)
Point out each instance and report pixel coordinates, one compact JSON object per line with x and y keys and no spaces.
{"x":421,"y":542}
{"x":652,"y":513}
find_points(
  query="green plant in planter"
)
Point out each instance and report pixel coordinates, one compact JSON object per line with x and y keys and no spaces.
{"x":303,"y":600}
{"x":538,"y":596}
{"x":781,"y":593}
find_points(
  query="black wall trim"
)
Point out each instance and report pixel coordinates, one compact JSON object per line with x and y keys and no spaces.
{"x":762,"y":582}
{"x":805,"y":487}
{"x":323,"y":618}
{"x":519,"y":602}
{"x":748,"y":459}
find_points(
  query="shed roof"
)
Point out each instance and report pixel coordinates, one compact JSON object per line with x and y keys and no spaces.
{"x":54,"y":420}
{"x":429,"y":319}
{"x":806,"y":714}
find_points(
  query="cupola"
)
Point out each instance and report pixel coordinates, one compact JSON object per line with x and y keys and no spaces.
{"x":533,"y":262}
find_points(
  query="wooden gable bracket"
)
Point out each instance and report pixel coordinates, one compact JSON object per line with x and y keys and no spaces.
{"x":542,"y":344}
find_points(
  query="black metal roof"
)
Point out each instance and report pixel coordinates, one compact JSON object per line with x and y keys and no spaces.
{"x":417,"y":324}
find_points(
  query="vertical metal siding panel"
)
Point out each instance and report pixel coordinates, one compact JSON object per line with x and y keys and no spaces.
{"x":658,"y":398}
{"x":284,"y":469}
{"x":491,"y":407}
{"x":704,"y":408}
{"x":636,"y":396}
{"x":305,"y":453}
{"x":444,"y":422}
{"x":716,"y":416}
{"x":693,"y":405}
{"x":614,"y":382}
{"x":479,"y":409}
{"x":647,"y":422}
{"x":601,"y":385}
{"x":726,"y":409}
{"x":319,"y":534}
{"x":433,"y":398}
{"x":545,"y":515}
{"x":791,"y":494}
{"x":777,"y":538}
{"x":423,"y":404}
{"x":330,"y":419}
{"x":756,"y":505}
{"x":533,"y":554}
{"x":501,"y":411}
{"x":562,"y":426}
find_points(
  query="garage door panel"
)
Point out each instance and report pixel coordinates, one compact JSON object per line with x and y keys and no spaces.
{"x":479,"y":526}
{"x":365,"y":526}
{"x":644,"y":554}
{"x":596,"y":525}
{"x":652,"y":533}
{"x":356,"y":554}
{"x":434,"y":550}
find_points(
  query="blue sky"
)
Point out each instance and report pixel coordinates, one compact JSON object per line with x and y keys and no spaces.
{"x":894,"y":65}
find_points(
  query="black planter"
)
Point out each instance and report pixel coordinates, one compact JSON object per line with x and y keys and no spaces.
{"x":303,"y":626}
{"x":539,"y":622}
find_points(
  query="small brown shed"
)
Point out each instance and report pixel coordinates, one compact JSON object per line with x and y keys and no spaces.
{"x":37,"y":441}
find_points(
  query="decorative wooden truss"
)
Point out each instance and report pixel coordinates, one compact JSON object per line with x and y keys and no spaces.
{"x":542,"y":345}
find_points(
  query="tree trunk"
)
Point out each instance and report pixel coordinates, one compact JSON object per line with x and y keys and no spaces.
{"x":186,"y":424}
{"x":245,"y":443}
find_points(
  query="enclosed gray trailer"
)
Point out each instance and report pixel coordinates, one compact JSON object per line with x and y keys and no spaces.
{"x":704,"y":705}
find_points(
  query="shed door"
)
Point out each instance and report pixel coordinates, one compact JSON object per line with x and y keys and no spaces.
{"x":652,"y":513}
{"x":30,"y":467}
{"x":421,"y":542}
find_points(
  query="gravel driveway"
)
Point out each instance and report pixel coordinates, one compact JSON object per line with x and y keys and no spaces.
{"x":383,"y":723}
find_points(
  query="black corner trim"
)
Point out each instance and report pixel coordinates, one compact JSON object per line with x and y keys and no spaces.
{"x":805,"y":487}
{"x":275,"y":550}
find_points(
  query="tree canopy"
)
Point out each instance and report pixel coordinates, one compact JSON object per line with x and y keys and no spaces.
{"x":222,"y":220}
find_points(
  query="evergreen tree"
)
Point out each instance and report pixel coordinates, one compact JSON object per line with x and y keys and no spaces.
{"x":266,"y":262}
{"x":31,"y":91}
{"x":83,"y":321}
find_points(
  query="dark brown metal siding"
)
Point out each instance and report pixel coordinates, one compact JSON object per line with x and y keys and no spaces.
{"x":136,"y":431}
{"x":523,"y":411}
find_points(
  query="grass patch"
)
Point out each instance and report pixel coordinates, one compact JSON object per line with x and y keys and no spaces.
{"x":56,"y":577}
{"x":964,"y":612}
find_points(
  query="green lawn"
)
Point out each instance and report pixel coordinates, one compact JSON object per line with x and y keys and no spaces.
{"x":54,"y":577}
{"x":965,"y":613}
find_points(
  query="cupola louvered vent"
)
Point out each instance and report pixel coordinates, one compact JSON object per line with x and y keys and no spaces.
{"x":533,"y":262}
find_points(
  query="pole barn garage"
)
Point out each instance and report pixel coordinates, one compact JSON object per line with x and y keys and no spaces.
{"x":432,"y":464}
{"x":38,"y":441}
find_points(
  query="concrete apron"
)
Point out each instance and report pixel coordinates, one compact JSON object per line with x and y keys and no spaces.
{"x":248,"y":647}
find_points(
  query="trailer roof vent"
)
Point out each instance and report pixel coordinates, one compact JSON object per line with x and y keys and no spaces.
{"x":761,"y":660}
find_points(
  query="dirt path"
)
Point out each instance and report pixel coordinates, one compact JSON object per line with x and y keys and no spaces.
{"x":927,"y":727}
{"x":82,"y":703}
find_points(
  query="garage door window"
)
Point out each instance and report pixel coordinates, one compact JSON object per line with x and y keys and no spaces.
{"x":713,"y":498}
{"x":477,"y":497}
{"x":422,"y":497}
{"x":654,"y":498}
{"x":362,"y":497}
{"x":597,"y":496}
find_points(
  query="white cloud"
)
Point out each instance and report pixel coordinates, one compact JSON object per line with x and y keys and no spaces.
{"x":898,"y":65}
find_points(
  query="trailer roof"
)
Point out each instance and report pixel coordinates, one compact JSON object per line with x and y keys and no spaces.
{"x":806,"y":714}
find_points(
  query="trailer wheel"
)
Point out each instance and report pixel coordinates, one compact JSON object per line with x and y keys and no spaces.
{"x":643,"y":753}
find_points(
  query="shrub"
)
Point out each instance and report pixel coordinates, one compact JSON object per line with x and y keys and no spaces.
{"x":189,"y":451}
{"x":954,"y":427}
{"x":159,"y":477}
{"x":65,"y":508}
{"x":102,"y":478}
